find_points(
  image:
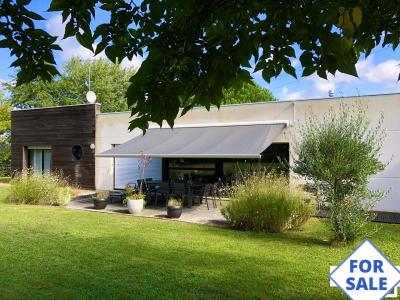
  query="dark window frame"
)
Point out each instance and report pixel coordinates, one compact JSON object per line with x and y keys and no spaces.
{"x":30,"y":163}
{"x":74,"y":158}
{"x":278,"y":151}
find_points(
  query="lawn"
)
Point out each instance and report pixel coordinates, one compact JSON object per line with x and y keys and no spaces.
{"x":53,"y":252}
{"x":5,"y":179}
{"x":4,"y":192}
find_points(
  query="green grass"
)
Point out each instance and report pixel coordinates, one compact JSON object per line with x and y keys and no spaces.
{"x":5,"y":179}
{"x":53,"y":252}
{"x":4,"y":193}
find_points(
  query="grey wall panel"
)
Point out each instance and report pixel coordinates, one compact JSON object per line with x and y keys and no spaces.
{"x":127,"y":171}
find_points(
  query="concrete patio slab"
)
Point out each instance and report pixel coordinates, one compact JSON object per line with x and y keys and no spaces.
{"x":198,"y":214}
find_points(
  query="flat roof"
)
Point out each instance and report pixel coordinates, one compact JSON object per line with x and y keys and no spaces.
{"x":277,"y":102}
{"x":58,"y":106}
{"x":224,"y":105}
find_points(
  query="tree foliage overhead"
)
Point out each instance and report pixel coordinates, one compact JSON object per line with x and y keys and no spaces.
{"x":109,"y":81}
{"x":196,"y":49}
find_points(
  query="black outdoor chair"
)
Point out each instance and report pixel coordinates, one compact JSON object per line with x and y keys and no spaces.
{"x":195,"y":193}
{"x":162,"y":189}
{"x":179,"y":191}
{"x":116,"y":196}
{"x":209,"y":193}
{"x":142,"y":184}
{"x":151,"y":192}
{"x":217,"y":193}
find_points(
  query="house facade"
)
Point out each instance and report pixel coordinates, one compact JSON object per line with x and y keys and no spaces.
{"x":57,"y":138}
{"x":204,"y":145}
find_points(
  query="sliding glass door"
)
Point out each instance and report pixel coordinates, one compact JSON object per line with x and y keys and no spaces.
{"x":40,"y":160}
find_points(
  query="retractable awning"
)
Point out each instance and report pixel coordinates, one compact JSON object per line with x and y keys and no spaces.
{"x":234,"y":140}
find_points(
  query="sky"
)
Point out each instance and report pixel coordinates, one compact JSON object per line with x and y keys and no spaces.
{"x":378,"y":73}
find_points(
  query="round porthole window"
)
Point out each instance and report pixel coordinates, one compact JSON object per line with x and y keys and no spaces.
{"x":77,"y":152}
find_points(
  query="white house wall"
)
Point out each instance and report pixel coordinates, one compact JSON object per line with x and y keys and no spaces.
{"x":111,"y":128}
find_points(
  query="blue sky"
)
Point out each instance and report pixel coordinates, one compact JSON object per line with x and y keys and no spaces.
{"x":377,"y":74}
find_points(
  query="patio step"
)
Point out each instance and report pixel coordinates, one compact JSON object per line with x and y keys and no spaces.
{"x":83,"y":198}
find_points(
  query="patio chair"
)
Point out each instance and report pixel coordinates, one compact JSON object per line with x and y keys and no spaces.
{"x":151,"y":191}
{"x":179,"y":191}
{"x":162,"y":189}
{"x":194,"y":193}
{"x":209,"y":193}
{"x":143,"y":184}
{"x":217,"y":193}
{"x":116,"y":196}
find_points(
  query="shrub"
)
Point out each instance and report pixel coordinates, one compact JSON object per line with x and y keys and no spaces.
{"x":47,"y":189}
{"x":337,"y":154}
{"x":133,"y":194}
{"x":102,"y":195}
{"x":263,"y":202}
{"x":174,"y":202}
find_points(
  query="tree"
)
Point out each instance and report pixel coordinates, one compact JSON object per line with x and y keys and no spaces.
{"x":196,"y":49}
{"x":109,"y":81}
{"x":246,"y":93}
{"x":337,"y":155}
{"x":5,"y":136}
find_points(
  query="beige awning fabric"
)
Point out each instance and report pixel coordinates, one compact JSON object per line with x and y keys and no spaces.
{"x":240,"y":140}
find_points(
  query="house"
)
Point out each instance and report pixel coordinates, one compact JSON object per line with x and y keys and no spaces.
{"x":96,"y":150}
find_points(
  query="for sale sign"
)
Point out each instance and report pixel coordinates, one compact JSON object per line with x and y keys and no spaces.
{"x":366,"y":274}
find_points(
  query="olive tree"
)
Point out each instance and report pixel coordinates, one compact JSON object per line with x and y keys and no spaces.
{"x":337,"y":154}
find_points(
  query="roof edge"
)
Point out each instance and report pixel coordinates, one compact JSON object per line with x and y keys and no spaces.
{"x":226,"y":124}
{"x":277,"y":102}
{"x":58,"y":106}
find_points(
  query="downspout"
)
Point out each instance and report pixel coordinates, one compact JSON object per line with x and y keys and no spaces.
{"x":291,"y":134}
{"x":294,"y":113}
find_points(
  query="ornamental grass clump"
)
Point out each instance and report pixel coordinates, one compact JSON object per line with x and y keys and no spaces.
{"x":29,"y":187}
{"x":267,"y":202}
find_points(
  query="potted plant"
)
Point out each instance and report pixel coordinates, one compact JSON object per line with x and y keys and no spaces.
{"x":174,"y":208}
{"x":100,"y":200}
{"x":134,"y":200}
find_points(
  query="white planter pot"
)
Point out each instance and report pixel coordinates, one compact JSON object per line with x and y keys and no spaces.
{"x":135,"y":206}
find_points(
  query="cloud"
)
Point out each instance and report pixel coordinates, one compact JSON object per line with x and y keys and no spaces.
{"x":384,"y":72}
{"x":4,"y":81}
{"x":370,"y":73}
{"x":373,"y":76}
{"x":71,"y":47}
{"x":136,"y":62}
{"x":55,"y":26}
{"x":286,"y":95}
{"x":295,"y":62}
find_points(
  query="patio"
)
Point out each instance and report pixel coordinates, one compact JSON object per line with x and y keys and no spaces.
{"x":198,"y":214}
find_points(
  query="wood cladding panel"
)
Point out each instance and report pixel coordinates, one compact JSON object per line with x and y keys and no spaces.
{"x":60,"y":128}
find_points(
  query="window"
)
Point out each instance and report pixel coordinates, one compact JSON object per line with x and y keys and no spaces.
{"x":77,"y":152}
{"x":40,"y":160}
{"x":274,"y":158}
{"x":196,"y":169}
